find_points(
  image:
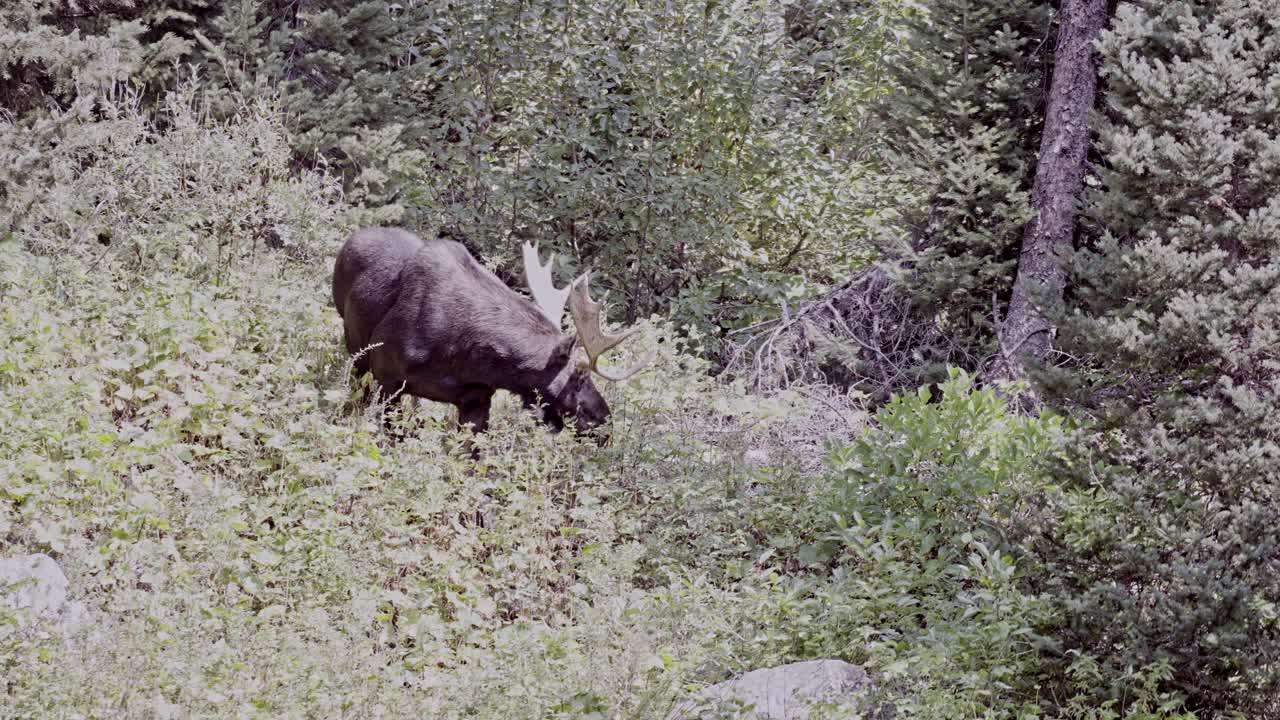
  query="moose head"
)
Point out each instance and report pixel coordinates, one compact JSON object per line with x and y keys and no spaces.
{"x":572,"y":390}
{"x":427,"y":319}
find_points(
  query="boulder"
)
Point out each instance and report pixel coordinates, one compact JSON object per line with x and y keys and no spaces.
{"x":786,"y":692}
{"x":36,"y":587}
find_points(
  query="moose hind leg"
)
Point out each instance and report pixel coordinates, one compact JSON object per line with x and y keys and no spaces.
{"x":359,"y":354}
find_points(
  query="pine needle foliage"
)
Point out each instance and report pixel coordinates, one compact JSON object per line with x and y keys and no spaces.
{"x":1169,"y":533}
{"x":966,"y":114}
{"x":346,"y":73}
{"x":54,"y":50}
{"x":54,"y":58}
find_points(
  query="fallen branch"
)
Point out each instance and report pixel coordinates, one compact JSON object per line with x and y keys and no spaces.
{"x":865,"y":334}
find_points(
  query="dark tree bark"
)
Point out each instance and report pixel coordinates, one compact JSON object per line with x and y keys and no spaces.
{"x":1026,"y":334}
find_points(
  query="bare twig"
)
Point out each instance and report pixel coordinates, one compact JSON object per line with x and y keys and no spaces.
{"x":867,"y":331}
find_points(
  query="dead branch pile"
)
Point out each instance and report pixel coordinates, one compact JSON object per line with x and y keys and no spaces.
{"x":865,"y":334}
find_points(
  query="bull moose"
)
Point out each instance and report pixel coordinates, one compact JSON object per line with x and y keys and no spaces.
{"x":436,"y":324}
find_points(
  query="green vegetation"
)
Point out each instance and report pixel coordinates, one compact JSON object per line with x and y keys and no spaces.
{"x":255,"y":538}
{"x":969,"y":107}
{"x":1178,"y":311}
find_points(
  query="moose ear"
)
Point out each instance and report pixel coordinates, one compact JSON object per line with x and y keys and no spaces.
{"x":564,"y":349}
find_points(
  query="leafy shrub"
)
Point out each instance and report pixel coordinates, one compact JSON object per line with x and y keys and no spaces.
{"x":252,"y":544}
{"x":179,"y":189}
{"x":915,"y":566}
{"x":925,"y":577}
{"x":963,"y":464}
{"x":1142,"y":693}
{"x":211,"y":496}
{"x":688,"y":153}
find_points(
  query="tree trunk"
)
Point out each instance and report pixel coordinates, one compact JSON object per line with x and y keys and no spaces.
{"x":1026,"y":334}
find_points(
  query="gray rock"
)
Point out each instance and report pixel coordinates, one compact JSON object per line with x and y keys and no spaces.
{"x":35,"y":586}
{"x":786,"y":692}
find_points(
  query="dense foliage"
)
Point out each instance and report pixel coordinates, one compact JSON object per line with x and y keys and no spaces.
{"x":1169,"y":536}
{"x":707,"y":157}
{"x":254,"y":538}
{"x":968,"y":107}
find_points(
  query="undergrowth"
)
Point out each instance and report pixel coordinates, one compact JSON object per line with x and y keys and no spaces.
{"x":252,"y":539}
{"x":254,"y":542}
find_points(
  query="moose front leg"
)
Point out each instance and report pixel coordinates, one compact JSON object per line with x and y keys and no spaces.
{"x":473,"y":407}
{"x":473,"y":410}
{"x":544,"y":412}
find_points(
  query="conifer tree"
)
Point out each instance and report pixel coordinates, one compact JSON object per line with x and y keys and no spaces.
{"x":1025,"y":332}
{"x":967,"y":120}
{"x":56,"y":59}
{"x":1168,"y":544}
{"x":54,"y":50}
{"x":345,"y":74}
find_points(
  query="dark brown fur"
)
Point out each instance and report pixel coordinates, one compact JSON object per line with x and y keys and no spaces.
{"x":451,"y":331}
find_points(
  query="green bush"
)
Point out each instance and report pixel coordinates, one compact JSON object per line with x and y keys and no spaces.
{"x":179,"y":189}
{"x":923,"y":558}
{"x":687,"y":153}
{"x":962,"y":464}
{"x":911,"y":561}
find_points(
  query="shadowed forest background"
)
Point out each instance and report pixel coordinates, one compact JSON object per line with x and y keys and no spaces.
{"x":827,"y":214}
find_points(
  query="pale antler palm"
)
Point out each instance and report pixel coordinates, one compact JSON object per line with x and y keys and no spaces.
{"x":595,"y":341}
{"x":549,"y":299}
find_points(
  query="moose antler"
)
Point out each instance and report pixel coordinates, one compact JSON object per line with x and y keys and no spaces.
{"x":549,"y":299}
{"x":595,"y":341}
